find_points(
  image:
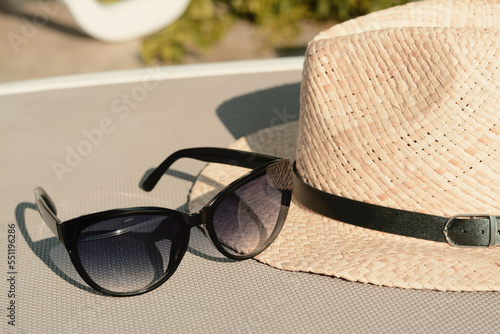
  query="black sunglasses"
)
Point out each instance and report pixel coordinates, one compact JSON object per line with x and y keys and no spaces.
{"x":126,"y":252}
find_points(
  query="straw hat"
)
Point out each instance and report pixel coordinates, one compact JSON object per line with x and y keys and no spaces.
{"x":399,"y":108}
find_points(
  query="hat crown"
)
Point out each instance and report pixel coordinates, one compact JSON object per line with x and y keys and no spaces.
{"x":407,"y":116}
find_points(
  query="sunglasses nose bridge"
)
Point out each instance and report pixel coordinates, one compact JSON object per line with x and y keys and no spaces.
{"x":195,"y":219}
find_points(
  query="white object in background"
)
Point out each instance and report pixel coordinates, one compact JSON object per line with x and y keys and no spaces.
{"x":124,"y":20}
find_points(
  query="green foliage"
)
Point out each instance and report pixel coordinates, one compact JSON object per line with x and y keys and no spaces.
{"x":277,"y":20}
{"x":203,"y":24}
{"x":206,"y":21}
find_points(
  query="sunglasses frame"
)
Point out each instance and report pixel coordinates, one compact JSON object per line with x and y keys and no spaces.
{"x":68,"y":231}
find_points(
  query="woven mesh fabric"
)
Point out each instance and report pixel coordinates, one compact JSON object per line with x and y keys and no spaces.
{"x":207,"y":293}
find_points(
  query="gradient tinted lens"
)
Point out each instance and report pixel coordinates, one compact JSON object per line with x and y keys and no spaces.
{"x":248,"y":219}
{"x":130,"y":253}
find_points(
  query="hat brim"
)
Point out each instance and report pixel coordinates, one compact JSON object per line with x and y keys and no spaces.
{"x":312,"y":243}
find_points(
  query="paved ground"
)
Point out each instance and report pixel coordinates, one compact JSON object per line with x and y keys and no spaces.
{"x":38,"y":42}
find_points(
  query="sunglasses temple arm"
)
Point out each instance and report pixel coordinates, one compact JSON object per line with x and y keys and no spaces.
{"x":208,"y":154}
{"x":47,"y":210}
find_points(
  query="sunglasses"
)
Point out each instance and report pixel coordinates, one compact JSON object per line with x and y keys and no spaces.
{"x":125,"y":252}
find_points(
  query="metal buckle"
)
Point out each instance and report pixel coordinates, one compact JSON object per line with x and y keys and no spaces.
{"x":493,"y":229}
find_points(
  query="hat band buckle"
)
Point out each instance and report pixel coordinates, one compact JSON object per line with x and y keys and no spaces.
{"x":472,"y":218}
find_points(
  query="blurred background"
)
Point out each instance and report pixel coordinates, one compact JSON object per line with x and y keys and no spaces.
{"x":42,"y":38}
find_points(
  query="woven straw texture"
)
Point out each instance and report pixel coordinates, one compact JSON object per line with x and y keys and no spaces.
{"x":402,"y":113}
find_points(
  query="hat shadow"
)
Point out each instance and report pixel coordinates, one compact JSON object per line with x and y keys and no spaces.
{"x":262,"y":109}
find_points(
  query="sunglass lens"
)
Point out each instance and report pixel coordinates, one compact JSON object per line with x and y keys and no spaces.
{"x":130,"y":254}
{"x":249,"y":218}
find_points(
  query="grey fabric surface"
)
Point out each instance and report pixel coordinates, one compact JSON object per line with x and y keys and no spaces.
{"x":208,"y":293}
